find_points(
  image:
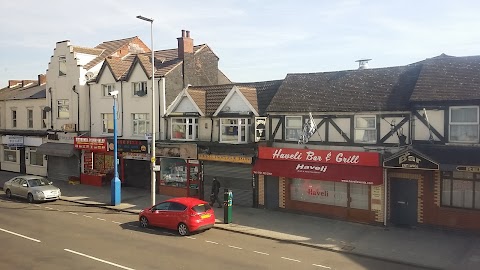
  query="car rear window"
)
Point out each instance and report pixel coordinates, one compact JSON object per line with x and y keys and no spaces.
{"x":200,"y":208}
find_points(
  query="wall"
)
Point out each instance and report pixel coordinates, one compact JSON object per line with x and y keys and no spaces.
{"x":421,"y":131}
{"x":21,"y":107}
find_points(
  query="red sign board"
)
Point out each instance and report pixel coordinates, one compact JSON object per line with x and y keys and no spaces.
{"x":320,"y":156}
{"x":89,"y":143}
{"x":327,"y":172}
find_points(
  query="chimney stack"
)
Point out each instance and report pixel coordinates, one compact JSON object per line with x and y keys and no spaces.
{"x":185,"y":44}
{"x":12,"y":83}
{"x":42,"y":79}
{"x":363,"y":63}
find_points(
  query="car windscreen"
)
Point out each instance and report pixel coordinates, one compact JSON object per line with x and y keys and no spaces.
{"x":201,"y":208}
{"x":38,"y":182}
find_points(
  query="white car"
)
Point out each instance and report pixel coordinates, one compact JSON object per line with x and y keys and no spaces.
{"x":33,"y":188}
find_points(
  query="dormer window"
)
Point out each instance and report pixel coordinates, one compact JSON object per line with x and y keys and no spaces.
{"x":464,"y":124}
{"x":139,"y":89}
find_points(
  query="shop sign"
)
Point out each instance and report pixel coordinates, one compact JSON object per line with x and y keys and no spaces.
{"x":320,"y":156}
{"x":225,"y":158}
{"x":137,"y":156}
{"x":185,"y":151}
{"x":473,"y":169}
{"x":410,"y":159}
{"x":89,"y":143}
{"x":14,"y":141}
{"x":133,"y":146}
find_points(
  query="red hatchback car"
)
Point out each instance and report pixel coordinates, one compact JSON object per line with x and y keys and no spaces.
{"x":182,"y":214}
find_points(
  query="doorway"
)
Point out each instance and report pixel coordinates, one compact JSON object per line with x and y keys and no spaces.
{"x":403,"y":201}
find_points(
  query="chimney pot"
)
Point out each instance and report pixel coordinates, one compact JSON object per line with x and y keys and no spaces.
{"x":183,"y":33}
{"x":188,"y":34}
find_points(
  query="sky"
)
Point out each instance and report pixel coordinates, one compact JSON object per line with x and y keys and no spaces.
{"x":256,"y":40}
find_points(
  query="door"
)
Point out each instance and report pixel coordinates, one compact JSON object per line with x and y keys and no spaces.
{"x":271,"y":192}
{"x":178,"y":213}
{"x":15,"y":186}
{"x":22,"y":190}
{"x":160,"y":214}
{"x":403,"y":201}
{"x":193,"y":178}
{"x":137,"y":173}
{"x":23,"y":166}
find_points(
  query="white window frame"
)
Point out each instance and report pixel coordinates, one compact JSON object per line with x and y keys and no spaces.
{"x":107,"y":120}
{"x":242,"y":126}
{"x":188,"y":126}
{"x":356,"y":128}
{"x":107,"y":88}
{"x":30,"y":117}
{"x":10,"y":149}
{"x":63,"y":103}
{"x":137,"y":122}
{"x":450,"y":124}
{"x":290,"y":130}
{"x":33,"y":151}
{"x":62,"y":66}
{"x":14,"y":118}
{"x":139,"y":87}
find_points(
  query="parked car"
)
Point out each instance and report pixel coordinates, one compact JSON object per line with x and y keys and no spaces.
{"x":182,"y":214}
{"x":33,"y":188}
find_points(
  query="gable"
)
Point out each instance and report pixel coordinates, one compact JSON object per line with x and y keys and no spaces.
{"x":185,"y":106}
{"x":235,"y":104}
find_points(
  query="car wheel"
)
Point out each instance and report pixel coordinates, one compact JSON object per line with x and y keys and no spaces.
{"x":143,"y":222}
{"x":8,"y":193}
{"x":183,"y":229}
{"x":30,"y":198}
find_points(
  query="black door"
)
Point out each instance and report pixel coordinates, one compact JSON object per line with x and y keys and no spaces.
{"x":23,"y":165}
{"x":403,"y":201}
{"x":271,"y":192}
{"x":137,"y":173}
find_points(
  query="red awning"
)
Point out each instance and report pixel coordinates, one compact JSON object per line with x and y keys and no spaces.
{"x":318,"y":171}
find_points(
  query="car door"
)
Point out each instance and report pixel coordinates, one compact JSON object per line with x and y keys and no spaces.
{"x":22,"y":191}
{"x":177,"y":215}
{"x":13,"y":186}
{"x":160,"y":214}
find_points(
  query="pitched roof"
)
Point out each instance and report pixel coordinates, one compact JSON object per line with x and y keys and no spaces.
{"x":448,"y":78}
{"x":118,"y":67}
{"x":87,"y":50}
{"x":259,"y":94}
{"x":108,"y":48}
{"x":31,"y":91}
{"x":347,"y":91}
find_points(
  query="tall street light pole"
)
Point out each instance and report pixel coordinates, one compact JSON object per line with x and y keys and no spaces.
{"x":152,"y":160}
{"x":115,"y":183}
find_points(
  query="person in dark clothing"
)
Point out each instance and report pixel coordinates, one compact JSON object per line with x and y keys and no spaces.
{"x":214,"y":195}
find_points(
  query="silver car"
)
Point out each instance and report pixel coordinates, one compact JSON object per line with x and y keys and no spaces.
{"x":33,"y":188}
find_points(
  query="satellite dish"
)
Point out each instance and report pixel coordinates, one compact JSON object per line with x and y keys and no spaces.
{"x":47,"y":109}
{"x":89,"y":75}
{"x":226,"y":108}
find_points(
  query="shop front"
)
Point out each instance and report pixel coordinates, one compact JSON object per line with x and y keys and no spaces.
{"x":135,"y":162}
{"x":340,"y":184}
{"x":63,"y":159}
{"x":180,"y":172}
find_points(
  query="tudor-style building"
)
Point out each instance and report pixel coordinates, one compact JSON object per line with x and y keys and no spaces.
{"x":217,"y":122}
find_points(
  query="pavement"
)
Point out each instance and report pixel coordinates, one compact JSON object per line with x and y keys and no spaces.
{"x":419,"y":247}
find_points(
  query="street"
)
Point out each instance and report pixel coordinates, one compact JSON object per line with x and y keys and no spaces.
{"x":62,"y":234}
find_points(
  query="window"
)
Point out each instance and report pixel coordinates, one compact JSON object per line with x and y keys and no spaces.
{"x":464,"y":124}
{"x":174,"y":206}
{"x":235,"y":130}
{"x":107,"y":122}
{"x":107,"y":88}
{"x":162,"y":206}
{"x":10,"y":154}
{"x":36,"y":159}
{"x":141,"y":123}
{"x":460,"y":189}
{"x":184,"y":129}
{"x":365,"y":129}
{"x":293,"y":128}
{"x":139,"y":89}
{"x":44,"y":118}
{"x":14,"y":118}
{"x":62,"y":66}
{"x":63,"y":108}
{"x":30,"y":118}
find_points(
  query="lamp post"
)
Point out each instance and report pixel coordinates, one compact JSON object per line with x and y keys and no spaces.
{"x":152,"y":160}
{"x":115,"y":184}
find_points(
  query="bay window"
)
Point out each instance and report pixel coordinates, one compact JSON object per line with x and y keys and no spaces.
{"x":235,"y":130}
{"x":184,"y":129}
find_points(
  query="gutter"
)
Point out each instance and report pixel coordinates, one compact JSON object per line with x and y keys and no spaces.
{"x":77,"y":128}
{"x":51,"y":107}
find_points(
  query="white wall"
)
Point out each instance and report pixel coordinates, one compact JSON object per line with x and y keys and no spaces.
{"x":21,"y":107}
{"x":436,"y":119}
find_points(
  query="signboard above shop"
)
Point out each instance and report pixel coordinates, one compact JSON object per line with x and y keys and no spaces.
{"x":410,"y":159}
{"x":13,"y":141}
{"x":91,"y":144}
{"x":320,"y":156}
{"x":131,"y":146}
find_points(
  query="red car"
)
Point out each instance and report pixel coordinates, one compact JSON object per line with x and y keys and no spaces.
{"x":182,"y":214}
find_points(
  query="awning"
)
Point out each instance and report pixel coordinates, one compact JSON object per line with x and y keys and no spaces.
{"x":56,"y":149}
{"x":317,"y":171}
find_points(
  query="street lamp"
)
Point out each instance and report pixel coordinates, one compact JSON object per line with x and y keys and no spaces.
{"x":152,"y":160}
{"x":115,"y":183}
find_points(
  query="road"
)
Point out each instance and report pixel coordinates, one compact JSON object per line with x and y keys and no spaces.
{"x":60,"y":235}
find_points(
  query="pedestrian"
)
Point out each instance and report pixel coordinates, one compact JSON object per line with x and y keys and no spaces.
{"x":214,"y":195}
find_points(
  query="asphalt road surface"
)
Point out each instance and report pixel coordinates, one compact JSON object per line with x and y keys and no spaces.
{"x":65,"y":235}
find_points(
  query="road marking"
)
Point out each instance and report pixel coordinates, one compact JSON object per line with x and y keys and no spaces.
{"x":73,"y":213}
{"x":97,"y":259}
{"x":211,"y":242}
{"x":263,"y":253}
{"x":235,"y":247}
{"x":87,"y":216}
{"x":190,"y":237}
{"x":285,"y":258}
{"x":26,"y":237}
{"x":101,"y":219}
{"x":116,"y":222}
{"x":323,"y":266}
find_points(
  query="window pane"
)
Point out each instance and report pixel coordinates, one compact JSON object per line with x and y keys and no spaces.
{"x":464,"y":115}
{"x":464,"y":133}
{"x":313,"y":191}
{"x":365,"y":135}
{"x":446,"y":192}
{"x":365,"y":122}
{"x":341,"y":190}
{"x":359,"y":195}
{"x":462,"y":194}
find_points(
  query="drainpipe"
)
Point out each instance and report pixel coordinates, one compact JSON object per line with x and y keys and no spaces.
{"x":211,"y":130}
{"x":385,"y":188}
{"x":77,"y":128}
{"x":89,"y":110}
{"x":163,"y":106}
{"x":51,"y":107}
{"x":121,"y":107}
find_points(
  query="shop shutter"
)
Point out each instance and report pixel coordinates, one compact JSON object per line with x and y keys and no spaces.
{"x":60,"y":168}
